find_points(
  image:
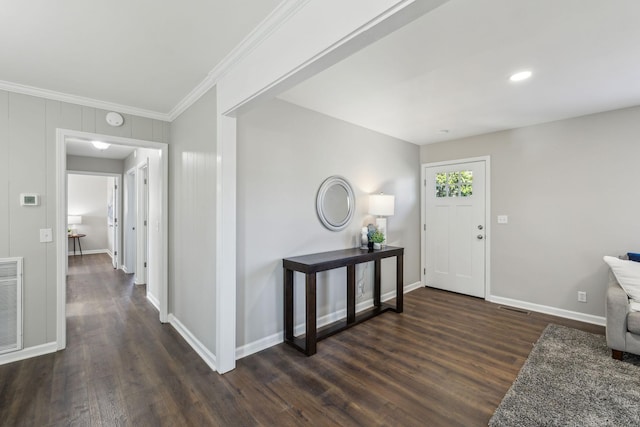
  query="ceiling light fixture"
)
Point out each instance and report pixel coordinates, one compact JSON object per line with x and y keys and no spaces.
{"x":100,"y":145}
{"x":522,"y":75}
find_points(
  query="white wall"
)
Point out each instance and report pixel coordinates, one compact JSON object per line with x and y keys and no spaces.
{"x":284,"y":154}
{"x":570,"y":191}
{"x":87,"y":197}
{"x":192,"y":231}
{"x":27,"y":165}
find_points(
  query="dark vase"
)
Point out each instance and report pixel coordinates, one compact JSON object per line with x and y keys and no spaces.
{"x":370,"y":246}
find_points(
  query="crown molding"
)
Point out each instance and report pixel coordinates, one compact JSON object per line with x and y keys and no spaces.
{"x":274,"y":20}
{"x":81,"y":100}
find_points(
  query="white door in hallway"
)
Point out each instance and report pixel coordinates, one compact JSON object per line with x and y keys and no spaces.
{"x":112,"y":219}
{"x":455,"y":227}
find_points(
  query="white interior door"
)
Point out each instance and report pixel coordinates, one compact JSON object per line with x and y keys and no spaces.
{"x":114,"y":229}
{"x":455,"y":227}
{"x":142,"y":246}
{"x":130,"y":222}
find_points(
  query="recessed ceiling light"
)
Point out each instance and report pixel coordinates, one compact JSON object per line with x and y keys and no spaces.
{"x":443,"y":131}
{"x":100,"y":145}
{"x":522,"y":75}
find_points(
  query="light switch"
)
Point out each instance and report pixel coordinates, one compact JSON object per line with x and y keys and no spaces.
{"x":503,"y":219}
{"x":46,"y":235}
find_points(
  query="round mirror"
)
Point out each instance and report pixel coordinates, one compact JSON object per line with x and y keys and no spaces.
{"x":335,"y":203}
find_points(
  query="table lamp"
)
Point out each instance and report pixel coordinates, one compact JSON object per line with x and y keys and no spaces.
{"x":73,"y":220}
{"x":381,"y":205}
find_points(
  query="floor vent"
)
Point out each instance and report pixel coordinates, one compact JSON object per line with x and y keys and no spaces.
{"x":10,"y":304}
{"x":517,"y":310}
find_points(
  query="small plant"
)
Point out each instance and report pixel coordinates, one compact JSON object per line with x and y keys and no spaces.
{"x":377,"y":237}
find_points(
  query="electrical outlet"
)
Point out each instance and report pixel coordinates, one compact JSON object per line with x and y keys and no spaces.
{"x":582,"y":296}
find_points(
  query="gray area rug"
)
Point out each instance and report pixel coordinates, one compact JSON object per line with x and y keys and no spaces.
{"x":570,"y":379}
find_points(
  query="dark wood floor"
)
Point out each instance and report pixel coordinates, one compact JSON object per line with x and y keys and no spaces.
{"x":447,"y":361}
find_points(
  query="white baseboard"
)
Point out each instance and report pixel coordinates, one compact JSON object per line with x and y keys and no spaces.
{"x":38,"y":350}
{"x":90,"y":252}
{"x":277,"y":338}
{"x":153,"y":300}
{"x":204,"y":353}
{"x":259,"y":345}
{"x":554,"y":311}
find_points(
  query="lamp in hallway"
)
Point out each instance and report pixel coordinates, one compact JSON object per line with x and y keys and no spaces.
{"x":73,"y":220}
{"x":382,"y":206}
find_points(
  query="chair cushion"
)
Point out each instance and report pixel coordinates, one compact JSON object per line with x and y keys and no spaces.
{"x":628,"y":275}
{"x":633,"y":322}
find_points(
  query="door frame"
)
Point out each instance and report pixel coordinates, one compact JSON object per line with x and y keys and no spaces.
{"x":487,"y":207}
{"x":60,"y":232}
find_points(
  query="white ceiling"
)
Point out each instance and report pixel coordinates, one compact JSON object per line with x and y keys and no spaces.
{"x":146,"y":54}
{"x":449,"y":69}
{"x":84,"y":148}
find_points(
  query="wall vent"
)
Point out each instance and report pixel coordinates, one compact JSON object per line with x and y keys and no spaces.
{"x":10,"y":304}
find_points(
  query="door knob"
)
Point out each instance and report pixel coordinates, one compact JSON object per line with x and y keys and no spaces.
{"x":480,"y":236}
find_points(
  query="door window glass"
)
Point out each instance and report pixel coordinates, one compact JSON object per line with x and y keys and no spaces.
{"x":454,"y":184}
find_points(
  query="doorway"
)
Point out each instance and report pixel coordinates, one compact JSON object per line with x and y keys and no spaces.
{"x":93,"y":200}
{"x":158,"y":249}
{"x":455,"y":226}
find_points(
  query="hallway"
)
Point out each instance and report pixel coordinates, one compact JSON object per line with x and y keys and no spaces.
{"x":121,"y":365}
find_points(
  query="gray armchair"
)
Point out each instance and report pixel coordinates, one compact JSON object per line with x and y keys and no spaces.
{"x":623,"y":325}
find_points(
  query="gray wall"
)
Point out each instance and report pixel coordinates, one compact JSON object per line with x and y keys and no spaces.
{"x":570,"y":190}
{"x":27,"y":165}
{"x":284,"y":154}
{"x":87,"y":196}
{"x":94,"y":164}
{"x":192,"y":209}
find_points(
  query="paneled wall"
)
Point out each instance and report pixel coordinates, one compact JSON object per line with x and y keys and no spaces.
{"x":27,"y":165}
{"x":192,"y":229}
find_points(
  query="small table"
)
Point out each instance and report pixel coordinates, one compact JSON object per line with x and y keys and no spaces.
{"x":310,"y":265}
{"x":77,"y":237}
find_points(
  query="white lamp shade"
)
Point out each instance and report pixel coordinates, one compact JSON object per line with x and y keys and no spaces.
{"x":74,"y":219}
{"x":381,"y":204}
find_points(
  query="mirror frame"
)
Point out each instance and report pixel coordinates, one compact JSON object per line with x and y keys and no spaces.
{"x":326,"y":185}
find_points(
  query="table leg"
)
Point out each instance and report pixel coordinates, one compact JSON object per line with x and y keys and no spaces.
{"x":351,"y":294}
{"x":377,"y":278}
{"x":399,"y":283}
{"x":74,"y":246}
{"x":80,"y":246}
{"x":310,"y":337}
{"x":288,"y":304}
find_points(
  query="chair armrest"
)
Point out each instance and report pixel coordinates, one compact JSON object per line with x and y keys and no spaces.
{"x":616,"y":309}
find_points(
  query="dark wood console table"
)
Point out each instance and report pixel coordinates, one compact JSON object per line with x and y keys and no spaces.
{"x":314,"y":263}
